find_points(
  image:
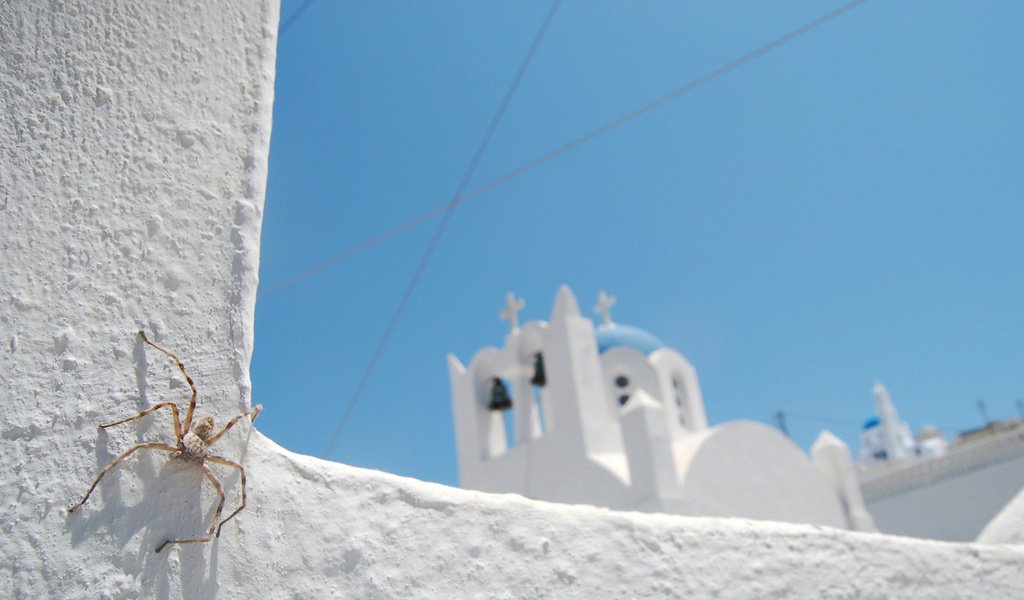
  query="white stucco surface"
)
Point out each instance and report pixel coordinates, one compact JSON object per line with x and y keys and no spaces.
{"x":974,"y":497}
{"x":1007,"y":527}
{"x":750,"y":469}
{"x":133,"y":153}
{"x":133,"y":146}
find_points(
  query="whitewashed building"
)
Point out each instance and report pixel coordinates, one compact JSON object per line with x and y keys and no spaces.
{"x":610,"y":416}
{"x":921,"y":486}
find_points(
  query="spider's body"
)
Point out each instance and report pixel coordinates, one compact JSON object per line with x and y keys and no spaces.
{"x":192,"y":446}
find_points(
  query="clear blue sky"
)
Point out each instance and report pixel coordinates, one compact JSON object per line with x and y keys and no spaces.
{"x":847,"y":208}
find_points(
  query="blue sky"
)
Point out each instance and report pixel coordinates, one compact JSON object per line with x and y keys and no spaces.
{"x":844,"y":209}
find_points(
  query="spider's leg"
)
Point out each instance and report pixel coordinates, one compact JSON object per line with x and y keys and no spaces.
{"x":192,"y":403}
{"x":254,"y":412}
{"x":216,"y":517}
{"x":228,"y":463}
{"x":113,"y":464}
{"x":174,"y":411}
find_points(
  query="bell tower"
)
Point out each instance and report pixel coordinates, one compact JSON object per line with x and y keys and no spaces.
{"x":611,"y":416}
{"x":546,"y":379}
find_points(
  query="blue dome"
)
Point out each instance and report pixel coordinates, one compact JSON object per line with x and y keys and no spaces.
{"x":872,"y":422}
{"x":614,"y":336}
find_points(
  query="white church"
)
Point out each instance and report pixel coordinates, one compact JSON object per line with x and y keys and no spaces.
{"x":610,"y":416}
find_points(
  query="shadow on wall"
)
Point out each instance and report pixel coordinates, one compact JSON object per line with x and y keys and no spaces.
{"x":156,"y":496}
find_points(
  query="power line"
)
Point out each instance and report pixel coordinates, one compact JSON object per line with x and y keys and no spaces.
{"x":568,"y":147}
{"x":292,"y":18}
{"x":449,"y":211}
{"x":346,"y":254}
{"x":819,"y":420}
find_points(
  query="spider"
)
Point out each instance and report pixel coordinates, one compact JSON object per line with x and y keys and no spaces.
{"x":193,"y":445}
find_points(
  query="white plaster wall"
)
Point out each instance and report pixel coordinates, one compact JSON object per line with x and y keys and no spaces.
{"x":1007,"y":527}
{"x":750,"y":469}
{"x":975,"y":498}
{"x":133,"y":152}
{"x":133,"y":144}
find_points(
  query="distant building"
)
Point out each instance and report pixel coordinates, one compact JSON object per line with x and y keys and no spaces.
{"x":612,"y":417}
{"x":923,"y":487}
{"x":885,"y":437}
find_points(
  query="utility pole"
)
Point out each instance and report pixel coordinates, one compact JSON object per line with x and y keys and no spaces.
{"x":983,"y":411}
{"x":780,"y":419}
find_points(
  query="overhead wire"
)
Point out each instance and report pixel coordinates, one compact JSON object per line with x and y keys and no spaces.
{"x":821,"y":420}
{"x":287,"y":24}
{"x":461,"y":196}
{"x":350,"y":252}
{"x":439,"y":233}
{"x":565,"y":148}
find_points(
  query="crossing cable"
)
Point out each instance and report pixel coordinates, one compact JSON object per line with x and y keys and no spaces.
{"x":566,"y":148}
{"x":292,"y":18}
{"x":821,"y":420}
{"x":457,"y":199}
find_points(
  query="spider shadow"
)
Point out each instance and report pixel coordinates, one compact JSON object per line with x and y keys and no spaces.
{"x":160,"y":498}
{"x":142,"y":497}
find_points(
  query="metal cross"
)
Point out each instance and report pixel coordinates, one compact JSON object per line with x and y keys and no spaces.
{"x":604,"y":307}
{"x":511,"y":310}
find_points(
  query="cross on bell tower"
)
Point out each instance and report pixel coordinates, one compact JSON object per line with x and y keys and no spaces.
{"x":511,"y":310}
{"x":604,"y":307}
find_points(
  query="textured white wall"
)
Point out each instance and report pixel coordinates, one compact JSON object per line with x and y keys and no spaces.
{"x":1007,"y":527}
{"x":133,"y":153}
{"x":975,"y":497}
{"x":133,"y":144}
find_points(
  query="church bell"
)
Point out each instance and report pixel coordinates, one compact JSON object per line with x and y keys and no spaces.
{"x":500,"y":399}
{"x":539,"y":377}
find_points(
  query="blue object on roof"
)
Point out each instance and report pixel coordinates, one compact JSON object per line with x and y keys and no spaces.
{"x":872,"y":422}
{"x":615,"y":336}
